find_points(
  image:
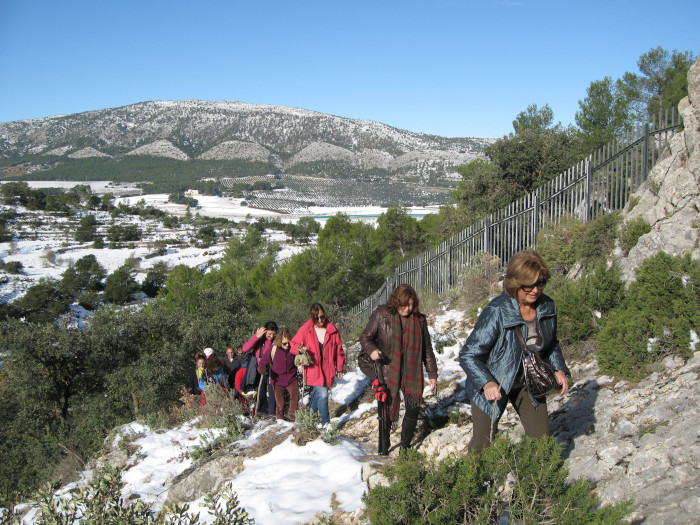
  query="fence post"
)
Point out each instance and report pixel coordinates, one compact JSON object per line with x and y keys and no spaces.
{"x":487,"y":222}
{"x":645,"y":152}
{"x":448,"y":256}
{"x":587,"y":191}
{"x":535,"y":218}
{"x":420,"y":271}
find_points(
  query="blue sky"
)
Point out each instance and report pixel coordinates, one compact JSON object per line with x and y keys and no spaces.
{"x":452,"y":68}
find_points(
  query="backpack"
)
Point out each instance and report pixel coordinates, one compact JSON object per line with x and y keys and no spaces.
{"x":250,"y":363}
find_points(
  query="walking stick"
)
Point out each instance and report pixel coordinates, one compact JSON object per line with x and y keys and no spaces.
{"x":257,"y":396}
{"x":380,"y":395}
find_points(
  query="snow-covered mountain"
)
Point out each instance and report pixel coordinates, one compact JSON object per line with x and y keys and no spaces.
{"x":286,"y":139}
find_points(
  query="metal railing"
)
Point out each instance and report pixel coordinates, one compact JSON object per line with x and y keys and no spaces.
{"x":600,"y":183}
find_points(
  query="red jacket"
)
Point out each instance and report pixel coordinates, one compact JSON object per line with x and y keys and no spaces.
{"x":323,"y":369}
{"x":261,"y":346}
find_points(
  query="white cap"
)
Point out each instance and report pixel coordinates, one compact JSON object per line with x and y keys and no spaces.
{"x":208,"y":351}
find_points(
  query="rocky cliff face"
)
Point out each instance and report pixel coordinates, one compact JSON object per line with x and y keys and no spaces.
{"x":670,"y":198}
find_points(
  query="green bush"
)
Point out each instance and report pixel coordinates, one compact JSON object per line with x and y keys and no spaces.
{"x":121,"y":285}
{"x":600,"y":289}
{"x":14,"y":267}
{"x":599,"y":238}
{"x":475,"y":489}
{"x":559,"y":245}
{"x":631,"y":231}
{"x":654,"y":320}
{"x":101,"y":502}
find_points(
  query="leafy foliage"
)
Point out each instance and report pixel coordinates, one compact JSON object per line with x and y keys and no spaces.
{"x":101,"y":502}
{"x":655,"y":319}
{"x":631,"y":231}
{"x":121,"y":285}
{"x":470,"y":489}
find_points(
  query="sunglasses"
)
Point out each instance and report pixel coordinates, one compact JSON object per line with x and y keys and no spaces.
{"x":321,"y":318}
{"x":528,"y":288}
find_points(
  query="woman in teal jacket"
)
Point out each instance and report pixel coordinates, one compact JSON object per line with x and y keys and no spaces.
{"x":492,"y":356}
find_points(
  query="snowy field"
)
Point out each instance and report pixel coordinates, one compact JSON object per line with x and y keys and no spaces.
{"x":47,"y":251}
{"x":227,"y":207}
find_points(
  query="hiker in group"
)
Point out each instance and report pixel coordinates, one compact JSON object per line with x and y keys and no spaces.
{"x":261,"y":343}
{"x":493,"y":355}
{"x":217,"y":374}
{"x":323,"y":345}
{"x":196,"y":374}
{"x":396,"y":338}
{"x":283,"y":373}
{"x":232,"y":363}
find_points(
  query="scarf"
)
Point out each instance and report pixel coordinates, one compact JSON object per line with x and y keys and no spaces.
{"x":406,"y":363}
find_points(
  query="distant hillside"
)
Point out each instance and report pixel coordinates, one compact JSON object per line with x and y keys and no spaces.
{"x":153,"y":140}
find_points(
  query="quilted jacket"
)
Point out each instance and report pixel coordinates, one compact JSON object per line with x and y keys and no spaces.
{"x":493,"y":353}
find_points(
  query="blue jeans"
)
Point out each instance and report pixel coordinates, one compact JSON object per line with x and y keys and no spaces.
{"x":319,"y":403}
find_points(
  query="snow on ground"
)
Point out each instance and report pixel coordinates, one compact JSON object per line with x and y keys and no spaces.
{"x":49,"y":252}
{"x":291,"y":483}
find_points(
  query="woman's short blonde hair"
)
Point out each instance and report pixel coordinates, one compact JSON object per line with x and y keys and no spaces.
{"x":284,"y":333}
{"x":524,"y":268}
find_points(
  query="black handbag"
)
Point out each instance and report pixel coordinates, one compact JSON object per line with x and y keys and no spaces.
{"x":539,"y":374}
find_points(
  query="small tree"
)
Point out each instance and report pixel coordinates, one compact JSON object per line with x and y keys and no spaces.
{"x":155,"y":279}
{"x":86,"y":229}
{"x":121,"y":285}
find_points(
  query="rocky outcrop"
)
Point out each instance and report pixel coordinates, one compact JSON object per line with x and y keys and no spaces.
{"x":159,"y":148}
{"x":86,"y":153}
{"x":237,"y":149}
{"x":670,"y":198}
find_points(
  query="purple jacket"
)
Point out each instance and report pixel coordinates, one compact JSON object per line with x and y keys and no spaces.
{"x":282,"y":372}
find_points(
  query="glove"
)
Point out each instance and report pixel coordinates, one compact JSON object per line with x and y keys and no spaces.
{"x":379,"y":391}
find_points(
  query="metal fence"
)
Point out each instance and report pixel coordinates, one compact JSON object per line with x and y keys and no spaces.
{"x":600,"y":183}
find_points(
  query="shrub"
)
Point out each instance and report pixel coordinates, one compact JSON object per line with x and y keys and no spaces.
{"x":631,"y":231}
{"x":155,"y":279}
{"x":120,"y":285}
{"x":559,"y":245}
{"x":599,"y":237}
{"x":525,"y":481}
{"x":655,"y":319}
{"x":598,"y":290}
{"x":14,"y":267}
{"x":101,"y":502}
{"x":477,"y":283}
{"x":86,"y":229}
{"x":306,"y":420}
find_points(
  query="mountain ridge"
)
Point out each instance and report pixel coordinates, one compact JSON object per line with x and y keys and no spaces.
{"x":201,"y":129}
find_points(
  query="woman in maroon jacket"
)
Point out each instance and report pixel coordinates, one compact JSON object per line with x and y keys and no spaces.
{"x":283,"y":373}
{"x":322,"y":341}
{"x":261,"y":342}
{"x":397,"y":340}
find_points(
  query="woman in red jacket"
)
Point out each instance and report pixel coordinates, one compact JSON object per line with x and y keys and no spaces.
{"x":322,"y":340}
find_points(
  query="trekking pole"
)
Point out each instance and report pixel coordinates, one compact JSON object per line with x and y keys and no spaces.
{"x":380,"y":396}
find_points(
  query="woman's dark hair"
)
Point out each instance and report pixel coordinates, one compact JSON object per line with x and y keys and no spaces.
{"x":401,"y":296}
{"x":315,"y":310}
{"x":198,"y":356}
{"x":271,"y":325}
{"x":214,"y":363}
{"x":524,"y":268}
